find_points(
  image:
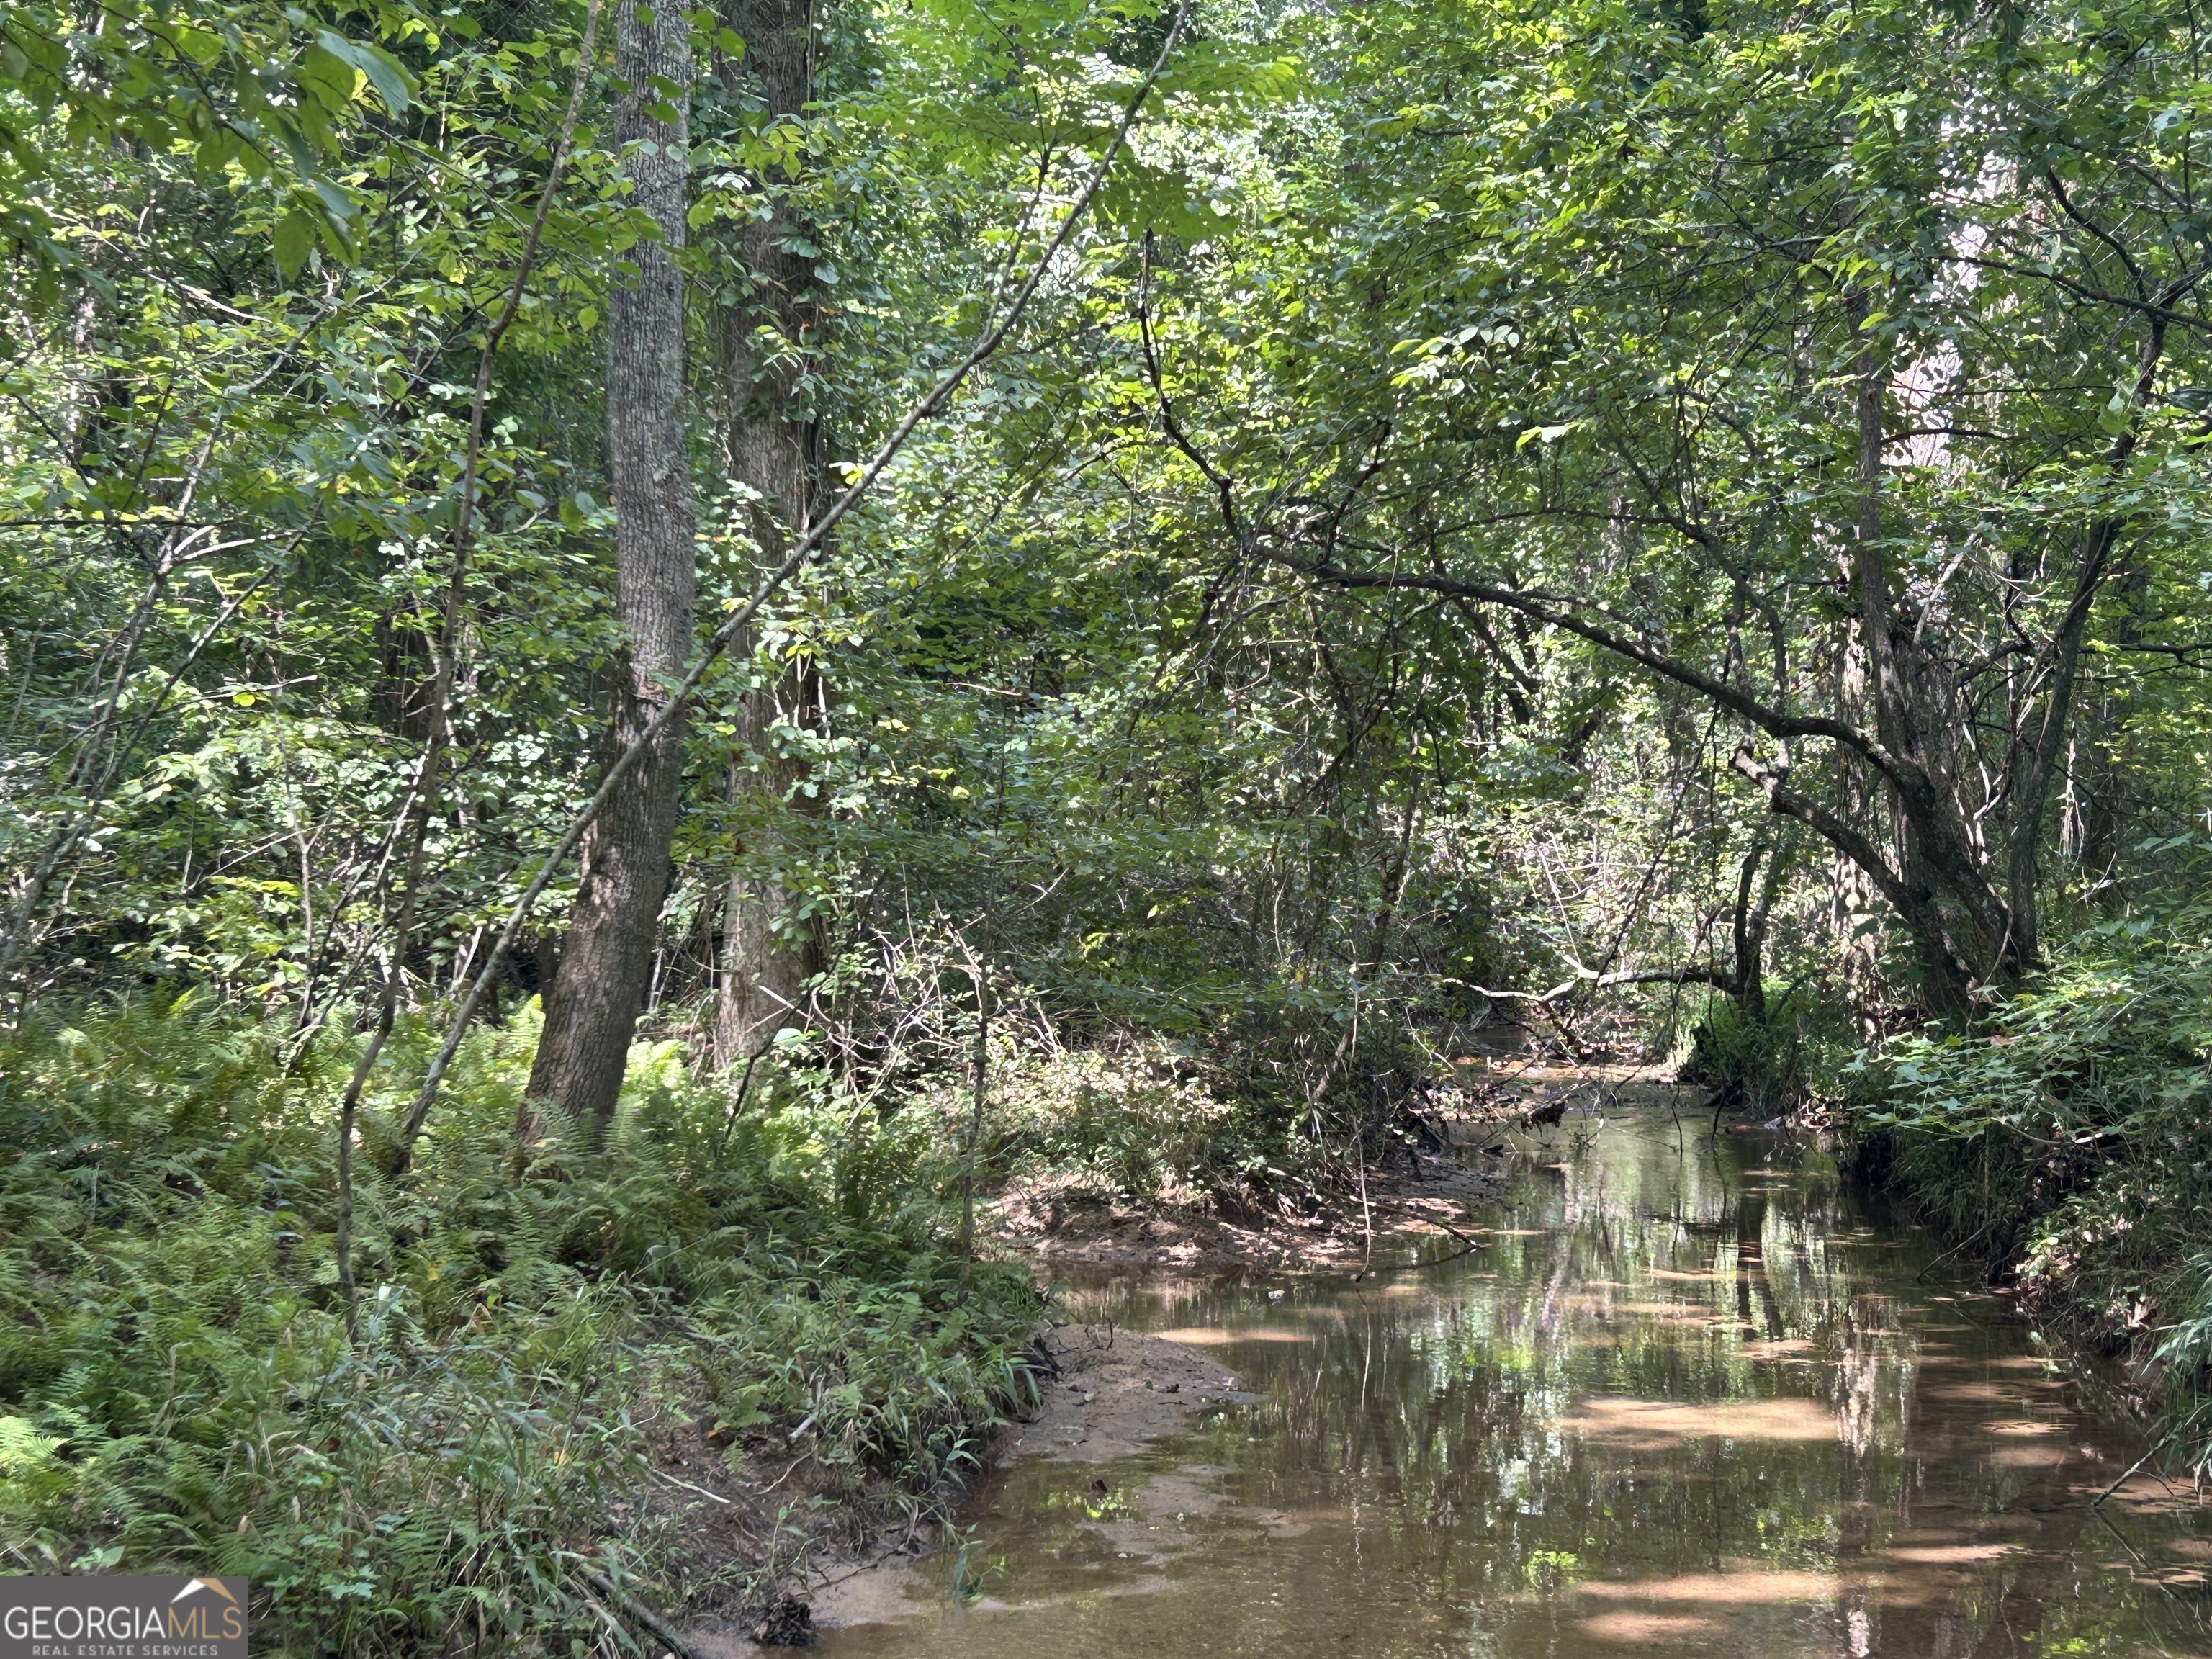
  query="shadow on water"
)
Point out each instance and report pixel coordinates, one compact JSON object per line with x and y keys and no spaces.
{"x":1690,"y":1398}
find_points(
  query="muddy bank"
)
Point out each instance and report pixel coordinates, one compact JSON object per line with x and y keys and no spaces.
{"x":1499,"y":1118}
{"x":1057,"y":1229}
{"x":1115,"y":1390}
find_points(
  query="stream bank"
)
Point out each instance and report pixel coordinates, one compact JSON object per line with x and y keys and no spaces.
{"x":1691,"y":1395}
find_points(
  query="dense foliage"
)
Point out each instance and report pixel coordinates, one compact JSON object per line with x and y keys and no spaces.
{"x":1671,"y":530}
{"x":495,"y":1423}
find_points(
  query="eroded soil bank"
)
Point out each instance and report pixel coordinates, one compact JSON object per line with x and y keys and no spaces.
{"x":1115,"y":1392}
{"x":1498,"y":1116}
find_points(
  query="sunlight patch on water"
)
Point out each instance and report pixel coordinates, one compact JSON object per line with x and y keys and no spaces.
{"x":1687,"y":1399}
{"x":1657,"y":1425}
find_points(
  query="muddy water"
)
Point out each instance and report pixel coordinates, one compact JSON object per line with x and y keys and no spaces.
{"x":1687,"y":1398}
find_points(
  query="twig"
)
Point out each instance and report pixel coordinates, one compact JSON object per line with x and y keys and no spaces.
{"x":2133,"y":1469}
{"x":688,"y":1487}
{"x":638,"y":1610}
{"x":786,"y":1475}
{"x":1433,"y":1261}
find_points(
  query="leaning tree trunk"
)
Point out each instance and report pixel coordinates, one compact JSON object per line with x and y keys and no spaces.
{"x":591,"y":1008}
{"x":768,"y":445}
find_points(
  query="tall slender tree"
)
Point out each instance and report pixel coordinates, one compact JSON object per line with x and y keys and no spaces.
{"x":591,"y":1008}
{"x":769,"y":444}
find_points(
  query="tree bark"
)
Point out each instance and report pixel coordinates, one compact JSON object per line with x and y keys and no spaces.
{"x":1933,"y":850}
{"x":591,"y":1008}
{"x":769,"y":444}
{"x":1751,"y":923}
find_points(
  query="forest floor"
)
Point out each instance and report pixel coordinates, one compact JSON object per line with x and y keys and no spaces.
{"x":1063,"y":1228}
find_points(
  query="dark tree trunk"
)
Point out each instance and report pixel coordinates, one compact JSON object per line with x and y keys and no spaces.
{"x":590,"y":1012}
{"x":1933,"y":849}
{"x":2104,"y":784}
{"x":2044,"y":740}
{"x":1751,"y":917}
{"x":769,"y":444}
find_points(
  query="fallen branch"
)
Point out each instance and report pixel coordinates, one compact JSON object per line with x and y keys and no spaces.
{"x":1718,"y":978}
{"x":2133,"y":1469}
{"x":638,"y":1610}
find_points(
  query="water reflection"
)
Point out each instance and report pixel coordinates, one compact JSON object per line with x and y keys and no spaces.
{"x":1687,"y":1397}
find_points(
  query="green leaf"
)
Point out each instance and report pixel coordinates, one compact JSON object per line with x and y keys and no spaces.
{"x":294,"y":234}
{"x":384,"y":72}
{"x":199,"y":44}
{"x":328,"y":75}
{"x":391,"y":82}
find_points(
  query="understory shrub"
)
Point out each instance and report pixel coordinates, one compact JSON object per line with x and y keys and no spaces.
{"x":2068,"y":1136}
{"x":1142,"y":1120}
{"x":177,"y":1388}
{"x":1758,"y":1059}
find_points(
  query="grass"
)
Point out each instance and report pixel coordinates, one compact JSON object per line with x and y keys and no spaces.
{"x":177,"y":1390}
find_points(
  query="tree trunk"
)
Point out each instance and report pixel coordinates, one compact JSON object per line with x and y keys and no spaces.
{"x":1933,"y":850}
{"x":768,"y":445}
{"x":591,"y":1009}
{"x":1852,"y":893}
{"x":1751,"y":917}
{"x":2104,"y":784}
{"x":2037,"y":763}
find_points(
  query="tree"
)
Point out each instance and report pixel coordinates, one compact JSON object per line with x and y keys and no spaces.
{"x":594,"y":1003}
{"x":770,"y":444}
{"x":1771,"y":387}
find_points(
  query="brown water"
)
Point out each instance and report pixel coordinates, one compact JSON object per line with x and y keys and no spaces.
{"x":1690,"y":1399}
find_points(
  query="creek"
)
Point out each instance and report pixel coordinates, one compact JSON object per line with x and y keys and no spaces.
{"x":1691,"y":1396}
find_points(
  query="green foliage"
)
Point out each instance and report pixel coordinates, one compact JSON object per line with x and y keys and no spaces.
{"x":267,"y":92}
{"x":1145,"y":673}
{"x":1148,"y":1122}
{"x":176,"y":1386}
{"x":1757,"y":1057}
{"x":2069,"y":1135}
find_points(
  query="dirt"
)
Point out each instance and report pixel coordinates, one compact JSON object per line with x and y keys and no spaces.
{"x":1059,"y":1223}
{"x":1116,"y":1391}
{"x":1078,"y":1229}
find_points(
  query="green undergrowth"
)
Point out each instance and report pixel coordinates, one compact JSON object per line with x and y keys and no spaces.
{"x":1758,"y":1057}
{"x":176,"y":1390}
{"x":1144,"y":1122}
{"x":1150,"y":1121}
{"x":2068,"y":1139}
